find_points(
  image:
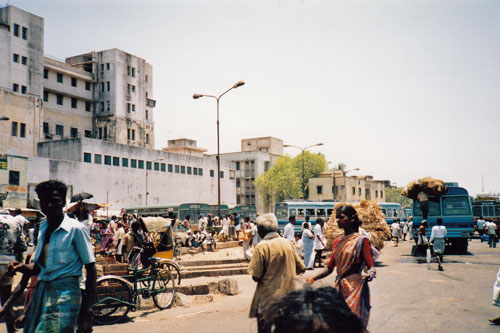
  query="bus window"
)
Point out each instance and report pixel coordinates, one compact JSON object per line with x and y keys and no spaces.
{"x":456,"y":206}
{"x":310,"y":212}
{"x":320,"y":212}
{"x":384,"y":211}
{"x":291,"y":212}
{"x":281,"y":212}
{"x":433,"y":208}
{"x":329,"y":211}
{"x":300,"y":212}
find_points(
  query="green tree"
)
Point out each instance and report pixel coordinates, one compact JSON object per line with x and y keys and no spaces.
{"x":394,"y":195}
{"x":280,"y":182}
{"x":309,"y":165}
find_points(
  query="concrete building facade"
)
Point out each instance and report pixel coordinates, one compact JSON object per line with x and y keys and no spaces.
{"x":13,"y":181}
{"x":337,"y":186}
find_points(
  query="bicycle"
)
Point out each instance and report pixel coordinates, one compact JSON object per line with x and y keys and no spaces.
{"x":117,"y":295}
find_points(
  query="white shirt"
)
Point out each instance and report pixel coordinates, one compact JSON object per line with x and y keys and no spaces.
{"x":491,"y":228}
{"x":395,"y":228}
{"x":299,"y":247}
{"x":318,"y":234}
{"x":422,"y":197}
{"x":225,"y":225}
{"x":289,"y":232}
{"x":438,"y":231}
{"x":21,"y":220}
{"x":480,"y":224}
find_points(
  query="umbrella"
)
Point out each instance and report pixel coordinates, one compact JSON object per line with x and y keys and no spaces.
{"x":81,"y":196}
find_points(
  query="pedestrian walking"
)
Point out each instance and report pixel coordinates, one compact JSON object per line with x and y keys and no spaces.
{"x":438,"y":233}
{"x":319,"y":241}
{"x":289,"y":231}
{"x":491,"y":227}
{"x":405,"y":229}
{"x":246,"y":230}
{"x":410,"y":227}
{"x":395,"y":232}
{"x":480,"y":225}
{"x":350,"y":254}
{"x":308,"y":246}
{"x":273,"y":266}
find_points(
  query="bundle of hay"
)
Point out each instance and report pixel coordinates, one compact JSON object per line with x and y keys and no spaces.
{"x":372,"y":219}
{"x":431,"y":186}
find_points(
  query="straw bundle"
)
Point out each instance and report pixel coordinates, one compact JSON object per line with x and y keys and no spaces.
{"x":372,"y":219}
{"x":429,"y":185}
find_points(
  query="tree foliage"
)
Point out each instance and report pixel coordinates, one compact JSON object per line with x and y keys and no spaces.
{"x":284,"y":179}
{"x":394,"y":195}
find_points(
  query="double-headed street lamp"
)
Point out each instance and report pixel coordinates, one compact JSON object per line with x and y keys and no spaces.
{"x":147,"y":193}
{"x":217,"y":98}
{"x":303,"y":163}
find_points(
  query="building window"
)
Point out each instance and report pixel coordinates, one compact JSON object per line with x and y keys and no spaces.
{"x":146,"y":114}
{"x":107,"y":66}
{"x":238,"y":182}
{"x":116,"y":161}
{"x":108,"y":106}
{"x":376,"y":193}
{"x":133,"y":88}
{"x":133,"y":135}
{"x":231,"y":174}
{"x":102,"y":86}
{"x":45,"y":96}
{"x":87,"y":85}
{"x":88,"y":106}
{"x":147,"y":139}
{"x":170,"y":168}
{"x":141,"y":164}
{"x":222,"y":174}
{"x":102,"y":67}
{"x":101,"y":106}
{"x":162,"y":167}
{"x":359,"y":191}
{"x":353,"y":191}
{"x":133,"y":107}
{"x":23,"y":90}
{"x":133,"y":163}
{"x":73,"y":132}
{"x":73,"y":81}
{"x":212,"y":173}
{"x":200,"y":172}
{"x":105,"y":136}
{"x":146,"y":78}
{"x":128,"y":107}
{"x":14,"y":178}
{"x":107,"y":159}
{"x":15,"y":87}
{"x":319,"y":189}
{"x":188,"y":170}
{"x":87,"y":157}
{"x":177,"y":168}
{"x":45,"y":73}
{"x":148,"y":165}
{"x":15,"y":58}
{"x":128,"y":133}
{"x":108,"y":86}
{"x":125,"y":162}
{"x":381,"y":194}
{"x":24,"y":60}
{"x":100,"y":132}
{"x":59,"y":99}
{"x":128,"y":88}
{"x":59,"y":78}
{"x":60,"y":130}
{"x":25,"y":33}
{"x":97,"y":158}
{"x":133,"y":72}
{"x":128,"y":70}
{"x":157,"y":166}
{"x":195,"y":171}
{"x":74,"y":103}
{"x":22,"y":130}
{"x":183,"y":169}
{"x":237,"y":165}
{"x":16,"y":30}
{"x":14,"y":128}
{"x":46,"y":128}
{"x":88,"y":133}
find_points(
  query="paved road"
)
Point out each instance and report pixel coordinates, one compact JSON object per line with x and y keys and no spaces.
{"x":406,"y":297}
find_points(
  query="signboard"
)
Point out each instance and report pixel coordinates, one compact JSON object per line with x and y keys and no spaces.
{"x":14,"y":191}
{"x":3,"y":162}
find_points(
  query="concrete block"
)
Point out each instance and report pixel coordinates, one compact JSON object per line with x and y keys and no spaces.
{"x":203,"y":299}
{"x":213,"y":287}
{"x":228,"y":287}
{"x":182,"y":300}
{"x":201,"y":289}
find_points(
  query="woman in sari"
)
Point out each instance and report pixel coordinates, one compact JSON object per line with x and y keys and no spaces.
{"x":308,"y":245}
{"x":350,"y":254}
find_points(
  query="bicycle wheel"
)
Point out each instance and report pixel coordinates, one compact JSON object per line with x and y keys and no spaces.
{"x":163,"y":289}
{"x":174,"y":270}
{"x":111,"y":293}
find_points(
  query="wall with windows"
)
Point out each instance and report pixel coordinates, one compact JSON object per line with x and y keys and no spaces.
{"x":13,"y":181}
{"x":118,"y":172}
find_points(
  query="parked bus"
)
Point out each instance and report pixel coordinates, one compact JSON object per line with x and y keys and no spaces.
{"x":455,"y":210}
{"x":301,"y":209}
{"x":243,"y":211}
{"x":181,"y":211}
{"x":392,"y":211}
{"x":488,"y":209}
{"x":224,"y":210}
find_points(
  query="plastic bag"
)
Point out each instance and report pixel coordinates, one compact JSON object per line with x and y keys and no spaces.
{"x":428,"y":255}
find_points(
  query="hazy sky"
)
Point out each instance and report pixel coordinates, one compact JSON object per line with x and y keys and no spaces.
{"x":399,"y":89}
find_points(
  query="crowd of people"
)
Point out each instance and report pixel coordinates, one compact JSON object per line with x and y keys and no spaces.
{"x":488,"y":230}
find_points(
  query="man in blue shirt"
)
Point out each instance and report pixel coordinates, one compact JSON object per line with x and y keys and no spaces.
{"x":63,"y":248}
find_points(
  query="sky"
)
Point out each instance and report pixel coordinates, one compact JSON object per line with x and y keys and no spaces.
{"x":399,"y":89}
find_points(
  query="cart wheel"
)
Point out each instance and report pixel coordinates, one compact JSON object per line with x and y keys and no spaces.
{"x":174,"y":270}
{"x":163,"y":289}
{"x":111,"y":293}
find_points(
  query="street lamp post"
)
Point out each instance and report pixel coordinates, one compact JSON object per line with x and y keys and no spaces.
{"x":303,"y":163}
{"x":217,"y":98}
{"x":147,"y":193}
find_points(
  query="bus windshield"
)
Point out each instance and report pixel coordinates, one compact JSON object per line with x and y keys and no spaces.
{"x":433,"y":209}
{"x":281,"y":212}
{"x":456,"y":206}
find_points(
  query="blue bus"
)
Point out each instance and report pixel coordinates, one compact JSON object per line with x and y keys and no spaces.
{"x":181,"y":211}
{"x":392,"y":211}
{"x":243,"y":211}
{"x":224,"y":210}
{"x":301,"y":209}
{"x":456,"y":211}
